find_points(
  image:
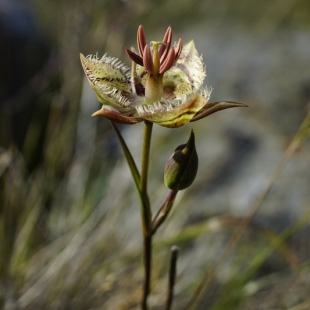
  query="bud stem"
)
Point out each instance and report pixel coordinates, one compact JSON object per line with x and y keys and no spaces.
{"x":164,"y":210}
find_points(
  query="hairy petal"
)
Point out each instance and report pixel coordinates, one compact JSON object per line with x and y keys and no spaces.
{"x":109,"y":79}
{"x":172,"y":113}
{"x":188,"y":73}
{"x":176,"y":83}
{"x":107,"y":70}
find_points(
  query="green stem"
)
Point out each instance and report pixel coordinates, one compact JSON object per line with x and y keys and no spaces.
{"x":146,"y":213}
{"x":146,"y":210}
{"x":164,"y":210}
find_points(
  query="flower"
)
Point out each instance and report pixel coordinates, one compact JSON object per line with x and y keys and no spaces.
{"x":163,"y":86}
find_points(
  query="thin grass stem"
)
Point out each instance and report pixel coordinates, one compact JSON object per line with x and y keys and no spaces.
{"x":172,"y":276}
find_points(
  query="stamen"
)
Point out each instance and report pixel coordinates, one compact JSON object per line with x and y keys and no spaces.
{"x":141,"y":40}
{"x":147,"y":59}
{"x":133,"y":56}
{"x":167,"y":41}
{"x":168,"y":63}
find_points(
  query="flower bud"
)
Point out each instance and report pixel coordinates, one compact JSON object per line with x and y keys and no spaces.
{"x":181,"y":168}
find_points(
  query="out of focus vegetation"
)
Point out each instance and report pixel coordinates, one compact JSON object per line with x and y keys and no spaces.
{"x":69,"y":219}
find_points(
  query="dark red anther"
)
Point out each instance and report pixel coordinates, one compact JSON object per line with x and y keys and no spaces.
{"x":168,"y":63}
{"x":163,"y":50}
{"x":148,"y":60}
{"x":133,"y":56}
{"x":141,"y":40}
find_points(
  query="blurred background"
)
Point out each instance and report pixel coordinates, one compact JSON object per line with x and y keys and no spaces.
{"x":70,"y":234}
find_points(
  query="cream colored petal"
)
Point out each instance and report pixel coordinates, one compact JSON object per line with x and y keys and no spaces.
{"x":109,"y":79}
{"x":187,"y":75}
{"x":173,"y":113}
{"x":141,"y":74}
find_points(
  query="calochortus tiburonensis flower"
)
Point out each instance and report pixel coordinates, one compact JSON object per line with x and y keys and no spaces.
{"x":164,"y":84}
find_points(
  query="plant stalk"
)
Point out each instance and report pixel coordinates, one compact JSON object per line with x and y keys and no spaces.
{"x":146,"y":214}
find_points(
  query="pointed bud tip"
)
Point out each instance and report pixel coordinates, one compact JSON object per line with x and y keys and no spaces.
{"x":191,"y":140}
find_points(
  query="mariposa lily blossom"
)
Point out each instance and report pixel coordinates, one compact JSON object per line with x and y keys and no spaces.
{"x":164,"y":84}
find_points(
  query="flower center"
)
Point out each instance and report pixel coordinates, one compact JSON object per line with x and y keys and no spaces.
{"x":154,"y":82}
{"x":155,"y":62}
